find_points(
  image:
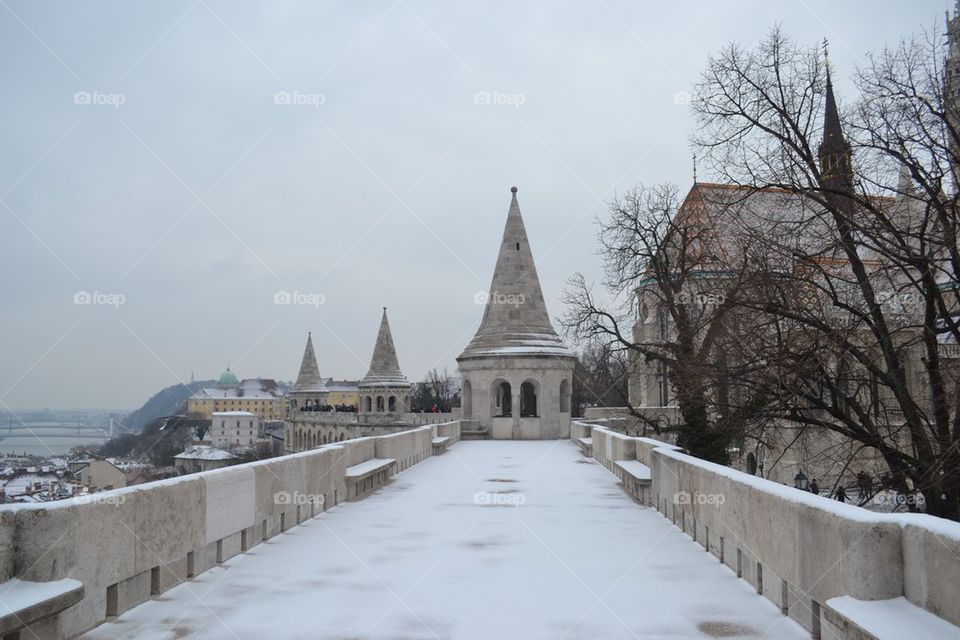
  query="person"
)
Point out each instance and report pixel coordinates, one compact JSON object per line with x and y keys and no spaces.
{"x":841,"y":494}
{"x":861,"y":484}
{"x":814,"y":487}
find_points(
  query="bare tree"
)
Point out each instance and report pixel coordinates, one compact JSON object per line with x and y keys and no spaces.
{"x":661,"y":265}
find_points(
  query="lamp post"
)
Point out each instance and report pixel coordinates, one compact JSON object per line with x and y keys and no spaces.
{"x":800,"y":481}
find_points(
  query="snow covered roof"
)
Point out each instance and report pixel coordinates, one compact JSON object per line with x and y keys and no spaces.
{"x":201,"y":452}
{"x":515,"y":320}
{"x":235,"y":414}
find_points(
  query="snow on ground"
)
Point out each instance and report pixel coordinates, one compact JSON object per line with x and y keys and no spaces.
{"x":490,"y":540}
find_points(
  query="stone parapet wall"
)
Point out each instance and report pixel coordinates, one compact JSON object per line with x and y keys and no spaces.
{"x":129,"y":544}
{"x":799,"y":550}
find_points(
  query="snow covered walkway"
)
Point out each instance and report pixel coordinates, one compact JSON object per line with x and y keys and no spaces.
{"x":490,"y":540}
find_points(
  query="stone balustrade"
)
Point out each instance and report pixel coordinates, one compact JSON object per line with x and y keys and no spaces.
{"x":797,"y":549}
{"x":130,"y":544}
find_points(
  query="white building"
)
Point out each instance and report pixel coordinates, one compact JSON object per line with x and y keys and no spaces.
{"x":516,"y":372}
{"x":234,"y":428}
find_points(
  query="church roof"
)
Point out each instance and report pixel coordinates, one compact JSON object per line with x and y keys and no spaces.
{"x":515,"y":319}
{"x":309,"y":377}
{"x":384,"y":365}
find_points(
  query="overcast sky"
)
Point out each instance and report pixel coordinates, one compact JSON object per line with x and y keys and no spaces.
{"x":197,"y":158}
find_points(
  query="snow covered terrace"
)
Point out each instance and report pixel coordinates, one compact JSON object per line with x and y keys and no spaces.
{"x":490,"y":540}
{"x":418,"y":535}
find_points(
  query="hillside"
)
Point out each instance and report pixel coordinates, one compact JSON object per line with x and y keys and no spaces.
{"x":168,"y":401}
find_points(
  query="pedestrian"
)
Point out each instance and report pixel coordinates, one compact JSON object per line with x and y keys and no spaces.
{"x":814,"y":487}
{"x":841,"y":494}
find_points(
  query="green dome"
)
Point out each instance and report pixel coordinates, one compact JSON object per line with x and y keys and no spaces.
{"x":227,"y":377}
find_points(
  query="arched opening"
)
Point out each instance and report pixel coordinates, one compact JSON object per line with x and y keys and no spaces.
{"x":502,"y":400}
{"x":343,"y":437}
{"x":528,"y":400}
{"x":751,"y":464}
{"x":565,"y":396}
{"x":380,"y":404}
{"x":392,"y":404}
{"x":467,"y":401}
{"x":366,"y":404}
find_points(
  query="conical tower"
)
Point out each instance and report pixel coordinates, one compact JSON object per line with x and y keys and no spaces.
{"x":384,"y":391}
{"x":516,"y":371}
{"x":515,"y":318}
{"x":309,"y":390}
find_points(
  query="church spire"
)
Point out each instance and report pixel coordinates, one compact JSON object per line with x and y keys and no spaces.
{"x":309,"y":376}
{"x":834,"y":153}
{"x":515,"y":318}
{"x":384,"y":365}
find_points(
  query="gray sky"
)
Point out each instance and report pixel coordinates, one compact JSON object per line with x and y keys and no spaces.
{"x":377,"y":177}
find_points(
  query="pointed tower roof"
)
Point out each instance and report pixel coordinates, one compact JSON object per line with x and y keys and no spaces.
{"x":833,"y":139}
{"x":515,"y":319}
{"x":384,"y":365}
{"x":309,"y":377}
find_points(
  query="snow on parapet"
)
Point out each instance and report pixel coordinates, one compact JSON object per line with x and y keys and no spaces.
{"x":940,"y":526}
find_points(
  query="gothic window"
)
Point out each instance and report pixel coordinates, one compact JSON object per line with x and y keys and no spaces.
{"x":528,"y":400}
{"x":503,"y":398}
{"x":392,"y":404}
{"x":663,"y":384}
{"x":380,"y":404}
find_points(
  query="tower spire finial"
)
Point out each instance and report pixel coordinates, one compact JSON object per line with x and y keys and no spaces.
{"x":694,"y":168}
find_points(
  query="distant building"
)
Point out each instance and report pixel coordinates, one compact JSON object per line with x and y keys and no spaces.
{"x":101,"y":475}
{"x":202,"y":458}
{"x":260,"y":396}
{"x":234,"y":428}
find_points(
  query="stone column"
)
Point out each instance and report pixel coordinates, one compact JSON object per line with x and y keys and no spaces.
{"x":515,"y":409}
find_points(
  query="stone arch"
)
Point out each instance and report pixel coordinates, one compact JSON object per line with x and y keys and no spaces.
{"x":380,"y":404}
{"x":529,"y":398}
{"x":751,"y":464}
{"x":367,"y":404}
{"x":467,"y":400}
{"x":343,"y":437}
{"x":565,"y":396}
{"x":501,"y":399}
{"x":392,"y":404}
